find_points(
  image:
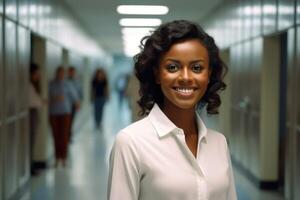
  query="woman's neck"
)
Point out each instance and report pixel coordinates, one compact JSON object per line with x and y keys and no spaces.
{"x":182,"y":118}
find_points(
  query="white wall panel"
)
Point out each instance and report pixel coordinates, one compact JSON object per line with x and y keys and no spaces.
{"x":23,"y":11}
{"x":23,"y":52}
{"x":11,"y":9}
{"x":297,"y":121}
{"x":286,"y":14}
{"x":256,"y":18}
{"x":270,"y":10}
{"x":23,"y":129}
{"x":298,"y":12}
{"x":23,"y":167}
{"x":11,"y":102}
{"x":10,"y":159}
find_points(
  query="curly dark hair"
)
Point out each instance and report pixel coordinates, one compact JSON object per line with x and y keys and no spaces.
{"x":154,"y":46}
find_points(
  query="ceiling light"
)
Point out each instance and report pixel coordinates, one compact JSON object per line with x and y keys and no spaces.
{"x":142,"y":10}
{"x":139,"y":22}
{"x":132,"y":39}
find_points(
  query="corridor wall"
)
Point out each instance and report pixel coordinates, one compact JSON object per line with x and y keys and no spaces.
{"x":14,"y":131}
{"x":53,"y":22}
{"x":243,"y":28}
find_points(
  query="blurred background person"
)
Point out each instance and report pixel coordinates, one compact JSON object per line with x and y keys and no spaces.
{"x":121,"y":85}
{"x":75,"y":83}
{"x":99,"y":95}
{"x":61,"y":96}
{"x":35,"y":103}
{"x":132,"y":93}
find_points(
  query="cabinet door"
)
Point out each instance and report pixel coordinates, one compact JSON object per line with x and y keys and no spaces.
{"x":23,"y":68}
{"x":23,"y":79}
{"x":292,"y":104}
{"x":297,"y":120}
{"x":10,"y":110}
{"x":11,"y":74}
{"x":23,"y":151}
{"x":10,"y":159}
{"x":1,"y":109}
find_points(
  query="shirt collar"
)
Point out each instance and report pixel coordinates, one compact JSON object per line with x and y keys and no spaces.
{"x":164,"y":126}
{"x":202,"y":130}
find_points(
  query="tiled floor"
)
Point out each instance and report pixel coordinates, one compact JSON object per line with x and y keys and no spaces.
{"x":85,"y":177}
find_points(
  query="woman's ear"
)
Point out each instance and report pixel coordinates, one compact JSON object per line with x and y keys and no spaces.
{"x":156,"y":75}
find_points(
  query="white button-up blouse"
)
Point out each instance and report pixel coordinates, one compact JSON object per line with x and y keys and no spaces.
{"x":151,"y":161}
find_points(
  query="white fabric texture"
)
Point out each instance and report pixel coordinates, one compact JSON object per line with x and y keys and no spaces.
{"x":151,"y":161}
{"x":35,"y":100}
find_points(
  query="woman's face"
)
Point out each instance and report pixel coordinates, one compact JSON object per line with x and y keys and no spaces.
{"x":100,"y":75}
{"x":183,"y":74}
{"x":35,"y":75}
{"x":60,"y":74}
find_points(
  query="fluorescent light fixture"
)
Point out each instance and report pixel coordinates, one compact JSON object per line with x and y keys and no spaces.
{"x":131,"y":51}
{"x":131,"y":45}
{"x":140,"y":22}
{"x":132,"y":39}
{"x":142,"y":10}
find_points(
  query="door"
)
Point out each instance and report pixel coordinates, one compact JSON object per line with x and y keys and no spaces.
{"x":282,"y":110}
{"x":292,"y":180}
{"x":10,"y":111}
{"x":1,"y":112}
{"x":23,"y":121}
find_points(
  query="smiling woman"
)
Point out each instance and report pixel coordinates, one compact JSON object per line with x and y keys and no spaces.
{"x":170,"y":154}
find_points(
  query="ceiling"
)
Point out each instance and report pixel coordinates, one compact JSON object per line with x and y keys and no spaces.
{"x":101,"y":20}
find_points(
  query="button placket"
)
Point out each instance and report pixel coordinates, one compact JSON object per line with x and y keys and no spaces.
{"x":194,"y":161}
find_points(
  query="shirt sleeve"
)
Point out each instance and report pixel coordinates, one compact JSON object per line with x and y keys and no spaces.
{"x":124,"y":170}
{"x":231,"y":195}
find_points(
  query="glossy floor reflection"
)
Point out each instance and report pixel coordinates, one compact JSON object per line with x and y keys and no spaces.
{"x":85,"y":177}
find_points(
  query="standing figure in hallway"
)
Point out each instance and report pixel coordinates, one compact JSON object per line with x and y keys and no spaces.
{"x":99,"y":95}
{"x":121,"y":85}
{"x":35,"y":104}
{"x":61,"y":98}
{"x":170,"y":154}
{"x":78,"y":89}
{"x":132,"y":93}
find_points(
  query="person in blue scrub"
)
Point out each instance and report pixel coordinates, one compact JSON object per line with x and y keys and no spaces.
{"x":61,"y":98}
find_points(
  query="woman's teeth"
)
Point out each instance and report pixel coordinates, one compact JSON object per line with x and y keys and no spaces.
{"x":184,"y":90}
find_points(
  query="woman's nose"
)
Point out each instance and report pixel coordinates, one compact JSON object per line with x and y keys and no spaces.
{"x":185,"y":75}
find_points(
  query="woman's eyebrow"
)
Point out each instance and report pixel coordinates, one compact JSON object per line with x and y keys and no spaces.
{"x":171,"y":59}
{"x":178,"y":61}
{"x":198,"y":60}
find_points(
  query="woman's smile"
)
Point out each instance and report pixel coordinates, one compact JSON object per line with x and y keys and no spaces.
{"x":184,"y":91}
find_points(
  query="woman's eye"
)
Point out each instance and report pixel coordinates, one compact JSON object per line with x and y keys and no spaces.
{"x":196,"y":68}
{"x":172,"y":67}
